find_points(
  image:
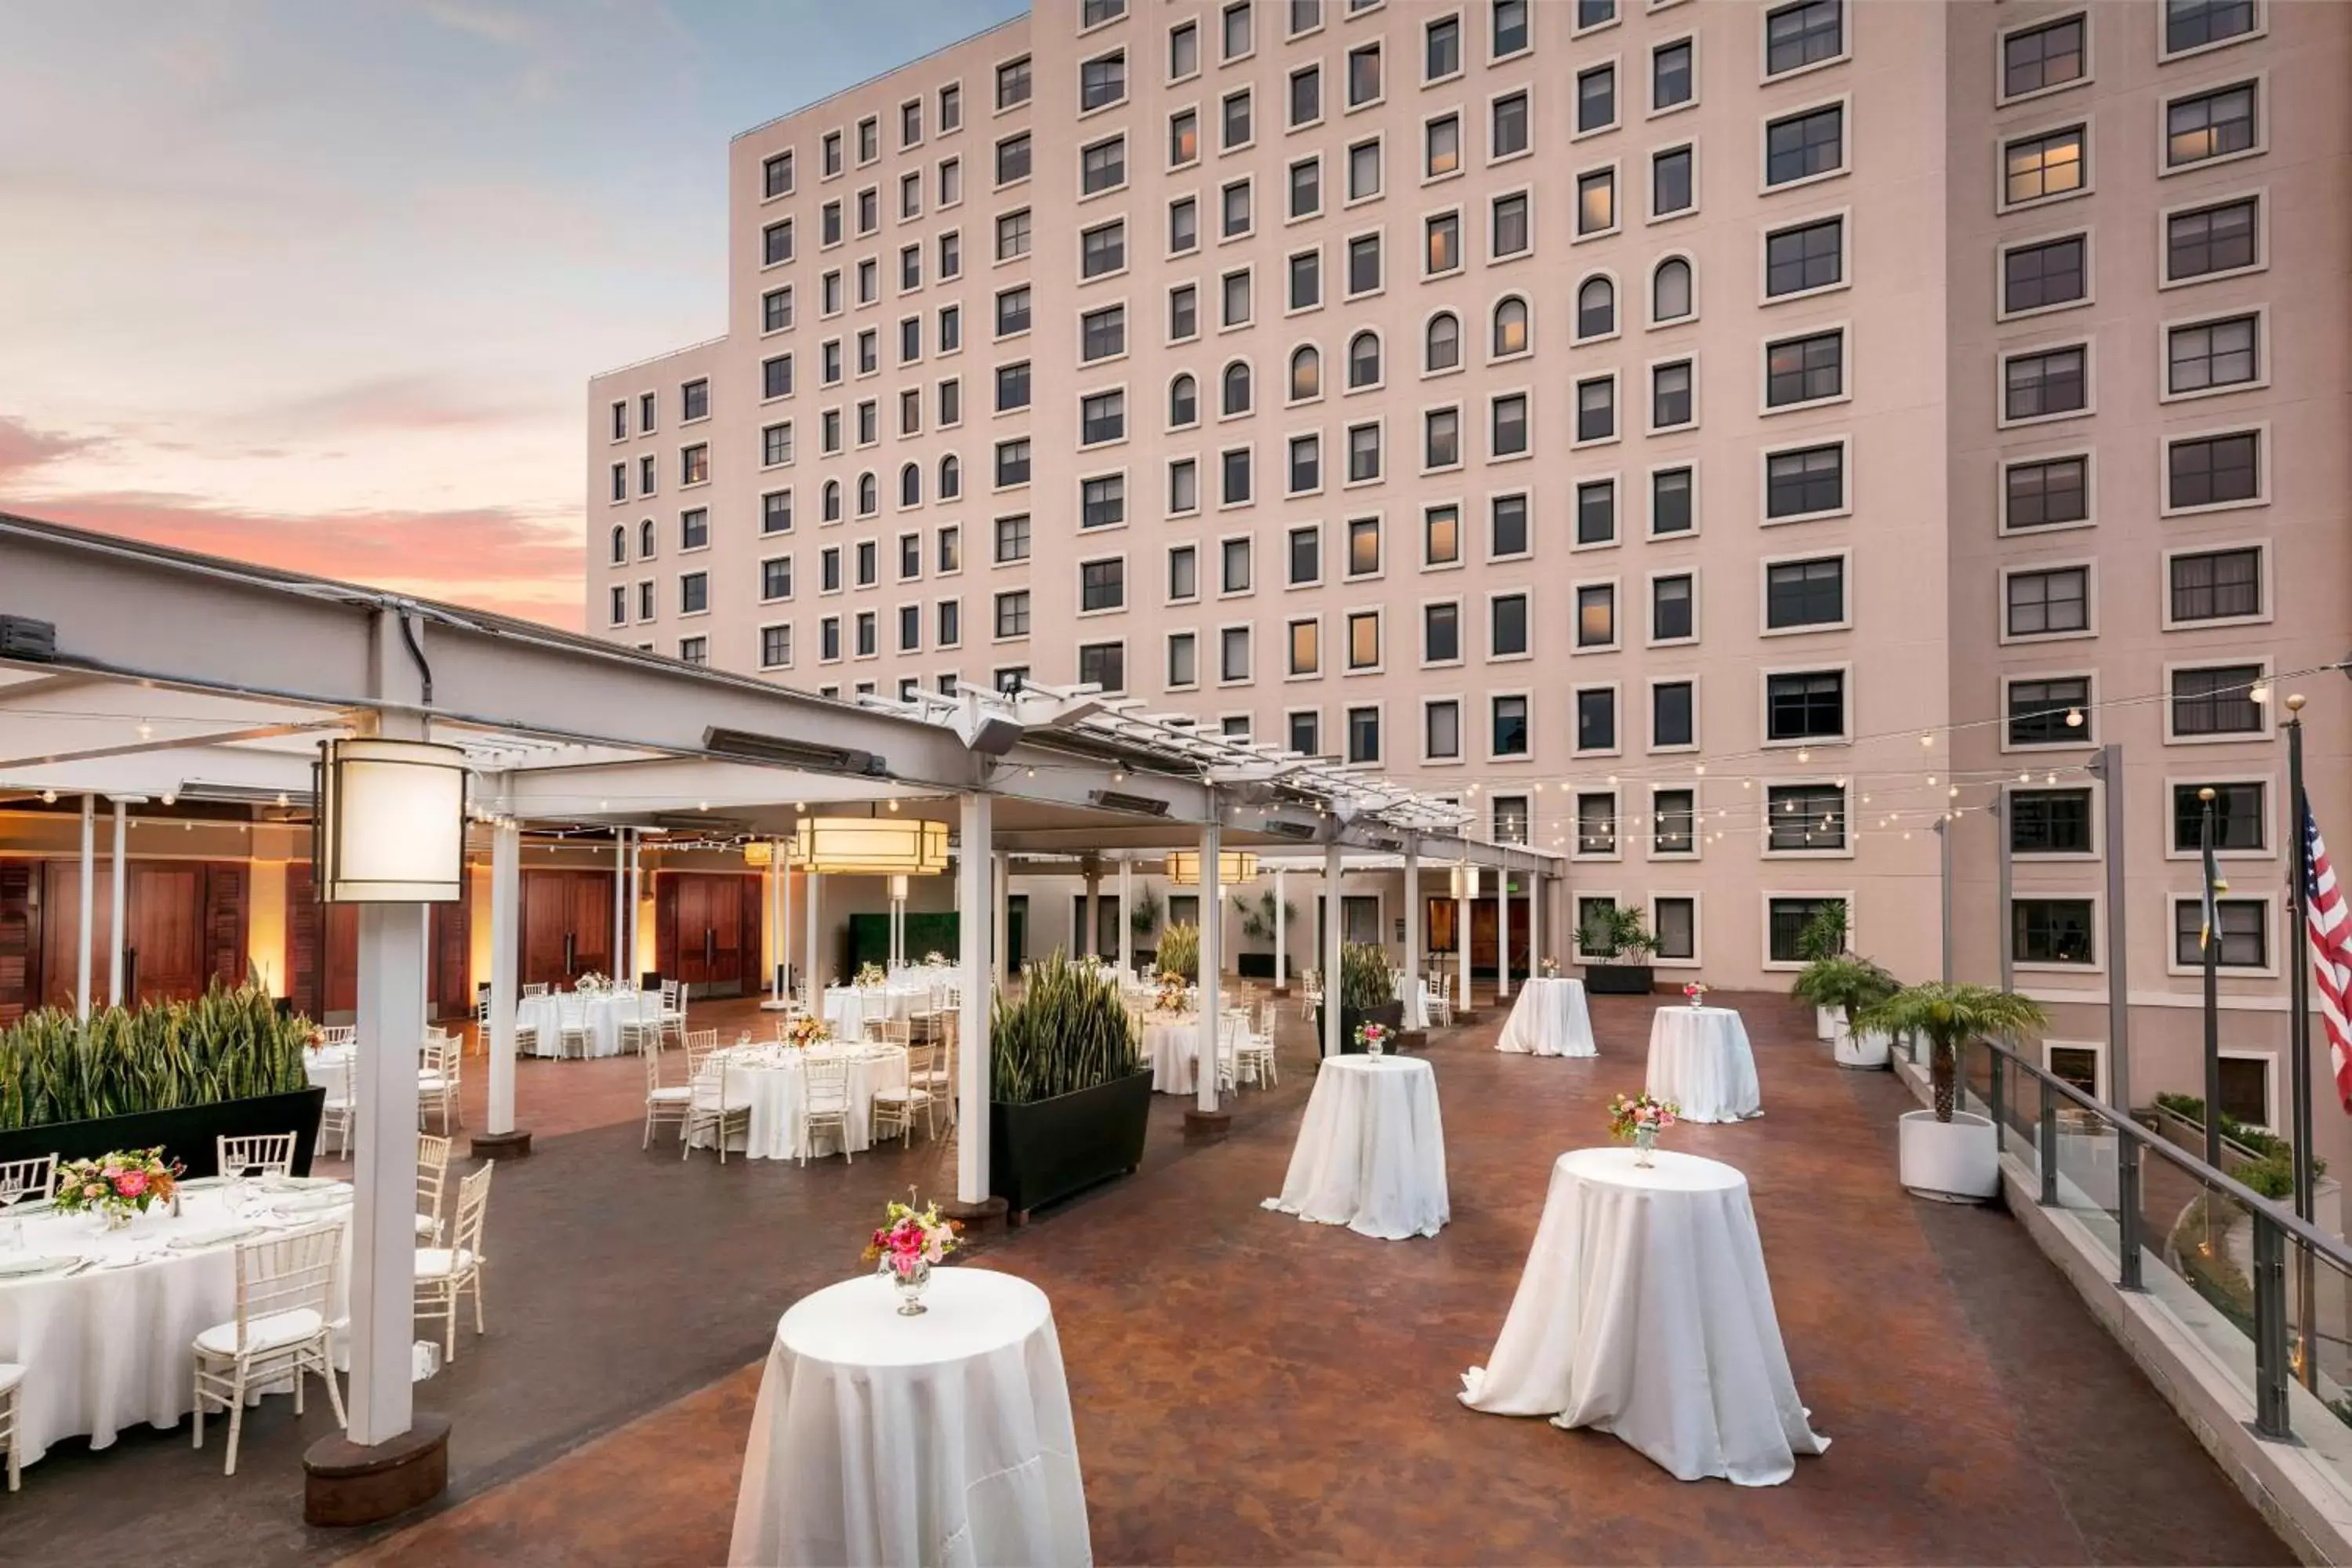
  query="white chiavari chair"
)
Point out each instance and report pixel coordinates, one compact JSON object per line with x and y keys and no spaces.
{"x":536,"y":989}
{"x":443,"y":1274}
{"x":1440,"y":1000}
{"x":262,"y":1154}
{"x":672,"y":1018}
{"x":33,"y":1181}
{"x":825,"y":1102}
{"x":432,"y":1183}
{"x":438,"y":1081}
{"x":713,"y":1104}
{"x":666,"y":1104}
{"x":895,"y":1109}
{"x":284,"y":1292}
{"x":11,"y":1374}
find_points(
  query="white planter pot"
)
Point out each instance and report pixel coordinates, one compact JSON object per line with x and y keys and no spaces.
{"x":1870,"y":1048}
{"x":1829,"y":1023}
{"x":1956,"y":1160}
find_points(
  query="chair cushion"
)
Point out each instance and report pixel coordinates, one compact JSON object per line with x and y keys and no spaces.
{"x":438,"y":1262}
{"x":11,"y":1374}
{"x":903,"y":1096}
{"x":707,"y":1100}
{"x":427,"y":1226}
{"x":431,"y":1083}
{"x":672,"y":1094}
{"x":339,"y":1107}
{"x":278,"y":1328}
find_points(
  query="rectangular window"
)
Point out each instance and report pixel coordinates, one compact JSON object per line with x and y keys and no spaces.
{"x":1596,"y":99}
{"x":1364,"y":639}
{"x":1441,"y":731}
{"x":1596,"y":616}
{"x":1802,"y":483}
{"x":2210,"y":355}
{"x":1804,"y":370}
{"x":2042,"y":494}
{"x":1102,"y":503}
{"x":2194,"y":24}
{"x":2217,"y":701}
{"x":1013,"y":613}
{"x":1441,"y":634}
{"x":2051,"y":712}
{"x":1183,"y":660}
{"x":1363,"y":264}
{"x":693,"y":401}
{"x":1363,"y":547}
{"x":1671,"y":608}
{"x":1234,"y":37}
{"x":2206,"y":241}
{"x":1235,"y":302}
{"x":1596,"y":511}
{"x":1785,"y":921}
{"x":1363,"y":453}
{"x":1012,"y":386}
{"x":776,"y":242}
{"x":694,"y":528}
{"x":1675,"y":925}
{"x":2213,"y":470}
{"x":1183,"y":573}
{"x":2048,"y":602}
{"x":1183,"y":486}
{"x":1363,"y":734}
{"x":2035,"y":168}
{"x":776,"y":512}
{"x":1363,"y":170}
{"x":1804,"y":594}
{"x":1442,"y":147}
{"x":2241,"y":937}
{"x":1102,"y":416}
{"x":1811,"y":256}
{"x":1102,"y":81}
{"x":1102,"y":334}
{"x":2050,"y":821}
{"x":1441,"y":536}
{"x":1804,"y":817}
{"x":1808,"y":705}
{"x":1669,"y":502}
{"x":1012,"y":83}
{"x":776,"y":376}
{"x":1507,"y":533}
{"x":776,"y":309}
{"x":1671,"y":399}
{"x":776,"y":175}
{"x":775,"y":647}
{"x":1508,"y":33}
{"x":1507,"y":226}
{"x":1672,"y":182}
{"x":1305,"y":556}
{"x":1234,"y":566}
{"x":2045,"y":386}
{"x":2036,"y":277}
{"x":1305,"y":464}
{"x":1012,"y":463}
{"x":1596,"y":719}
{"x":1102,"y":250}
{"x":2210,"y":125}
{"x":1306,"y":648}
{"x":1803,"y":34}
{"x":1183,"y":314}
{"x":1672,"y":80}
{"x":1233,"y":124}
{"x":1102,"y":584}
{"x":1596,"y":825}
{"x":1596,"y":202}
{"x":1509,"y":727}
{"x":1103,"y":166}
{"x":2044,"y":57}
{"x":1507,"y":625}
{"x":2055,"y":930}
{"x":693,"y":592}
{"x":1234,"y":654}
{"x":1596,"y":409}
{"x":1674,"y":715}
{"x":1800,"y":146}
{"x":694,"y":465}
{"x":1306,"y":96}
{"x":1363,"y":75}
{"x":1012,"y":232}
{"x":1236,"y":476}
{"x":1233,"y":208}
{"x":1307,"y":280}
{"x":1506,"y":133}
{"x":2240,"y":819}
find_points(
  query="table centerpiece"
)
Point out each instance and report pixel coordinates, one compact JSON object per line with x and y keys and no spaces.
{"x":117,"y":1187}
{"x":803,"y":1030}
{"x":1694,"y":994}
{"x":1372,"y":1037}
{"x":870,"y":977}
{"x":591,"y":983}
{"x":905,"y":1248}
{"x":1639,"y":1121}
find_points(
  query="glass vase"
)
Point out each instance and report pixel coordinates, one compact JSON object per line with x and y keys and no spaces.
{"x":1646,"y":1139}
{"x":910,"y":1286}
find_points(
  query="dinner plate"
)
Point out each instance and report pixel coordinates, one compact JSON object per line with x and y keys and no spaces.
{"x":26,"y":1265}
{"x":212,"y":1236}
{"x":310,"y":1202}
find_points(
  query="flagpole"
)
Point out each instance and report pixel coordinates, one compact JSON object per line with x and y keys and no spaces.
{"x":2298,"y":1036}
{"x":2209,"y":945}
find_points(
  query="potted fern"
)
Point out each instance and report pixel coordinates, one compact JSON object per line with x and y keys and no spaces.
{"x":1824,"y":936}
{"x":1070,"y":1097}
{"x":1949,"y":1153}
{"x":1368,"y":993}
{"x":1617,"y":945}
{"x":1844,"y":985}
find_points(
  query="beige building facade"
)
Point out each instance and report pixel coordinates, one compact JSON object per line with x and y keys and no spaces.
{"x":1702,"y":436}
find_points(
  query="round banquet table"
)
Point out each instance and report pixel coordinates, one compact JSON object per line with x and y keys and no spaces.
{"x":1644,"y":1311}
{"x":1171,"y":1044}
{"x":771,"y":1081}
{"x":848,"y":1008}
{"x":1370,"y":1153}
{"x":111,"y":1346}
{"x":602,"y":1013}
{"x":1699,"y":1060}
{"x":325,"y":1065}
{"x":938,"y":1439}
{"x":1549,"y":1019}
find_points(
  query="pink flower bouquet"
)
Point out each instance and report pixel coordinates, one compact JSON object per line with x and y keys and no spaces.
{"x":117,"y":1185}
{"x":1639,"y":1121}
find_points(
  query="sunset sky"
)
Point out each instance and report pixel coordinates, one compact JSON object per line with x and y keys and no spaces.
{"x":322,"y":286}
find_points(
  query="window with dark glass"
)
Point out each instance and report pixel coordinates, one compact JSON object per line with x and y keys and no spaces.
{"x":1596,"y":409}
{"x":2040,"y":385}
{"x":1670,"y":606}
{"x":2217,"y":585}
{"x":1673,"y":714}
{"x":1804,"y":593}
{"x":2052,"y":490}
{"x":2241,"y":934}
{"x":1669,"y":502}
{"x":1805,"y":481}
{"x":2212,"y":354}
{"x":2240,"y":821}
{"x":1506,"y":635}
{"x":1802,"y":34}
{"x":1804,"y":370}
{"x":2212,"y":470}
{"x":1671,"y":77}
{"x":1102,"y":502}
{"x":1510,"y":738}
{"x":1808,"y":705}
{"x":1596,"y":720}
{"x":1508,"y":126}
{"x":1800,"y":818}
{"x":1811,"y":256}
{"x":1507,"y":526}
{"x":1672,"y":182}
{"x":1363,"y":734}
{"x":2039,"y":711}
{"x":1102,"y":584}
{"x":2193,"y":24}
{"x":1670,"y":400}
{"x":1441,"y":634}
{"x":1596,"y":511}
{"x":2209,"y":240}
{"x":2034,"y":276}
{"x":2048,"y":55}
{"x":2210,"y":125}
{"x":1785,"y":924}
{"x":1800,"y":146}
{"x":2050,"y":821}
{"x":2044,"y":604}
{"x":2052,"y":931}
{"x":1596,"y":824}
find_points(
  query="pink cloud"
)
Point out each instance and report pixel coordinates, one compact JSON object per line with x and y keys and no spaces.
{"x":23,"y":448}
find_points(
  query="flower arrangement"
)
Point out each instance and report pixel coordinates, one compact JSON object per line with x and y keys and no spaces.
{"x":1552,"y":969}
{"x":870,"y":976}
{"x":1639,"y":1121}
{"x":1373,"y":1039}
{"x":935,"y":958}
{"x":1172,"y":992}
{"x":591,"y":983}
{"x":909,"y":1242}
{"x":1694,"y":994}
{"x":117,"y":1185}
{"x":803,"y":1030}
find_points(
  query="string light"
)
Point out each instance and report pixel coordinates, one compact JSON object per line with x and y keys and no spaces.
{"x":48,"y":797}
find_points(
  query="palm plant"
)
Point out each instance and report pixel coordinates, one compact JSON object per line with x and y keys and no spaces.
{"x":1180,"y":951}
{"x":1950,"y":1016}
{"x":1144,"y":914}
{"x":1068,"y":1031}
{"x":1617,"y":930}
{"x":1844,"y":982}
{"x":1824,"y":935}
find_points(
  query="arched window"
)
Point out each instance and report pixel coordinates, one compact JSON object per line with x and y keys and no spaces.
{"x":645,"y":537}
{"x":910,"y":485}
{"x":833,"y":501}
{"x":1305,"y":373}
{"x":1443,"y":348}
{"x":1670,"y":295}
{"x":1510,"y":328}
{"x":1364,"y":360}
{"x":950,"y":477}
{"x":620,"y":545}
{"x":1183,"y":402}
{"x":1237,"y":388}
{"x":1596,"y":308}
{"x":865,"y":495}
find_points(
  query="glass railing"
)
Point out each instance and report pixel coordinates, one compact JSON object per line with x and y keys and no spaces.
{"x":2264,"y":1296}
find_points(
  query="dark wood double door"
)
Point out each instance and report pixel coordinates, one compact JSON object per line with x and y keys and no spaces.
{"x":322,"y":952}
{"x":707,"y":931}
{"x":567,"y":927}
{"x":185,"y":926}
{"x":1486,"y":932}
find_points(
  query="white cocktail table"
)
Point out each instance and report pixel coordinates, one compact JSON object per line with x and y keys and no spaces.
{"x":1700,"y":1060}
{"x":1370,"y":1153}
{"x":1549,"y":1019}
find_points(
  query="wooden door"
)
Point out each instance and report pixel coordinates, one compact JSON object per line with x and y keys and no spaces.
{"x":60,"y":937}
{"x":322,"y":950}
{"x":592,"y":923}
{"x":452,"y":957}
{"x":567,"y":925}
{"x":21,"y":885}
{"x":163,"y":936}
{"x":1485,"y":919}
{"x":707,"y":930}
{"x":735,"y":935}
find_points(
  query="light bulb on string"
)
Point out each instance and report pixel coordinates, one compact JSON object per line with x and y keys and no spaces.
{"x":2074,"y":717}
{"x":48,"y":797}
{"x":1804,"y":756}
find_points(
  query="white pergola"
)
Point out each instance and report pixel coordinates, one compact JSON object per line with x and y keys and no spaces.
{"x":137,"y":674}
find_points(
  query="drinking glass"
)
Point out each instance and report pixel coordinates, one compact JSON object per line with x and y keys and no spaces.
{"x":12,"y":1190}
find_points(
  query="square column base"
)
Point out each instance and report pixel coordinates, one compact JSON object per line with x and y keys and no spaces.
{"x":345,"y":1483}
{"x":1207,"y":1126}
{"x":987,"y":1214}
{"x":514,"y":1145}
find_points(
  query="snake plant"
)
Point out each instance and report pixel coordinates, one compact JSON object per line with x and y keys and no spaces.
{"x":1068,"y":1031}
{"x":228,"y":1044}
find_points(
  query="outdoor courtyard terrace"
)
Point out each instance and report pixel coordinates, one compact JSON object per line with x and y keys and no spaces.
{"x":1247,"y":1388}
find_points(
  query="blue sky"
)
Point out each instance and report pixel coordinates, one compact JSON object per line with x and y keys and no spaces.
{"x":321,"y":285}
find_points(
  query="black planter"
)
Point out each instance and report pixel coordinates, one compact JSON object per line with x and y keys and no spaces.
{"x":186,"y":1134}
{"x":1389,"y":1013}
{"x":1618,"y":979}
{"x":1052,"y":1148}
{"x":1254,"y":965}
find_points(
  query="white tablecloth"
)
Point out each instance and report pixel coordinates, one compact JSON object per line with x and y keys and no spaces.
{"x":602,"y":1015}
{"x":938,"y":1439}
{"x":326,"y":1066}
{"x":1644,"y":1311}
{"x":1699,"y":1059}
{"x":772,"y":1081}
{"x":847,"y":1007}
{"x":1171,"y":1044}
{"x":110,"y":1347}
{"x":1370,"y":1153}
{"x":1549,"y":1019}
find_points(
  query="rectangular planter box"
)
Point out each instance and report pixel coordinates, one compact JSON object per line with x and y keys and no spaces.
{"x":1254,"y":965}
{"x":186,"y":1134}
{"x":1618,"y":979}
{"x":1050,"y":1149}
{"x":1389,"y":1013}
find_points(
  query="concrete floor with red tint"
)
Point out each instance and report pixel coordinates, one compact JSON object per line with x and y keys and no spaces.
{"x":1251,"y":1389}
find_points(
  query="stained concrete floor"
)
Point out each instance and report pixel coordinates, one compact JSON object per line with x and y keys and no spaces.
{"x":1248,"y":1388}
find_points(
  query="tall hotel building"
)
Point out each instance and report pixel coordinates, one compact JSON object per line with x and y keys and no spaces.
{"x":1701,"y":435}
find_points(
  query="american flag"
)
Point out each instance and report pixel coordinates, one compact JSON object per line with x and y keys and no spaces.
{"x":2331,"y":954}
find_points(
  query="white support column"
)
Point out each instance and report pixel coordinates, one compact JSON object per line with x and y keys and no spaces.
{"x":1462,"y":873}
{"x":813,"y":886}
{"x":384,"y":1230}
{"x":1535,"y":919}
{"x":637,"y":894}
{"x":620,"y":959}
{"x":1503,"y":929}
{"x":118,"y":925}
{"x":89,"y":906}
{"x":1415,"y":1015}
{"x":506,"y":952}
{"x":784,"y":924}
{"x":1332,"y":868}
{"x":1126,"y":916}
{"x":978,"y":828}
{"x":1281,"y":937}
{"x":1212,"y":922}
{"x":1003,"y":918}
